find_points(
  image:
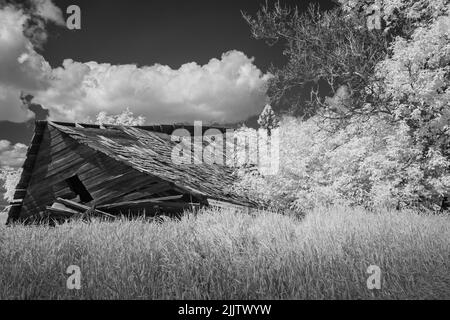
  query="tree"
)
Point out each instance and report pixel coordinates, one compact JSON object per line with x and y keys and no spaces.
{"x":416,"y":88}
{"x":384,"y":133}
{"x":325,"y":51}
{"x":10,"y":178}
{"x":371,"y":163}
{"x":126,"y":118}
{"x":268,"y":119}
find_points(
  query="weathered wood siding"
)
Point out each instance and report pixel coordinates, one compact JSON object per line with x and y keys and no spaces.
{"x":107,"y":180}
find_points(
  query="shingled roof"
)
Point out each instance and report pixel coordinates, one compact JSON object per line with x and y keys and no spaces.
{"x":149,"y":150}
{"x":100,"y":155}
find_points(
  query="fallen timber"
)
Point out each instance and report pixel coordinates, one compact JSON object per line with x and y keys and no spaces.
{"x":109,"y":171}
{"x":63,"y":209}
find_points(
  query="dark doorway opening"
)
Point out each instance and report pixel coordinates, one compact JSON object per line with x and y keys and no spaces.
{"x":78,"y":188}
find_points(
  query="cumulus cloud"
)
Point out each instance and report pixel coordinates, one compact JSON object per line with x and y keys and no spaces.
{"x":12,"y":155}
{"x":48,"y":11}
{"x":226,"y":89}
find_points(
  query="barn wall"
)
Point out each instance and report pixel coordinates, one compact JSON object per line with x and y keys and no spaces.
{"x":107,"y":180}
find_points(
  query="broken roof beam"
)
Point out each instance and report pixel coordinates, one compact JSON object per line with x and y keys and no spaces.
{"x":159,"y":202}
{"x":168,"y":198}
{"x":226,"y":205}
{"x":82,"y":208}
{"x":61,"y":213}
{"x":147,"y":192}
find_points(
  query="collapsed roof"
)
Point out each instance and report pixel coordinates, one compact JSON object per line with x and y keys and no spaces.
{"x":114,"y":163}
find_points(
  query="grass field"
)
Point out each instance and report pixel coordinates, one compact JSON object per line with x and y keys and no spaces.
{"x":231,"y":255}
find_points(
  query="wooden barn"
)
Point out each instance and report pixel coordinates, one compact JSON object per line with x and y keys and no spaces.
{"x":114,"y":170}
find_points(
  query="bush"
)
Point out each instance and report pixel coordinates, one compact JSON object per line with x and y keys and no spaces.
{"x":372,"y":163}
{"x":383,"y":139}
{"x":10,"y":178}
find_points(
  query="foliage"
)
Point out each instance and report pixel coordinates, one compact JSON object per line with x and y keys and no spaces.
{"x":381,"y":141}
{"x":256,"y":152}
{"x":10,"y":178}
{"x":372,"y":163}
{"x":126,"y":118}
{"x":228,"y":254}
{"x":268,"y":119}
{"x":398,"y":17}
{"x":325,"y":50}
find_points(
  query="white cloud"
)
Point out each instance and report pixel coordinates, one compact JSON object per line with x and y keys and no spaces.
{"x":228,"y":89}
{"x":47,"y":10}
{"x":12,"y":155}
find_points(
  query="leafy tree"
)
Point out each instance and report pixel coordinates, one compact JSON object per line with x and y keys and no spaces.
{"x":10,"y":178}
{"x":268,"y":119}
{"x":126,"y":118}
{"x":387,"y":120}
{"x":416,"y":87}
{"x":368,"y":163}
{"x":325,"y":51}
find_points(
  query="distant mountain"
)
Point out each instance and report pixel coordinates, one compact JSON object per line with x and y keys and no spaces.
{"x":16,"y":132}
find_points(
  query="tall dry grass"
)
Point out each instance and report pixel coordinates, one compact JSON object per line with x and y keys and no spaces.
{"x":231,"y":255}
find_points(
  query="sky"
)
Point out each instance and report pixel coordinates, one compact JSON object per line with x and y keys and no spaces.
{"x":171,"y":61}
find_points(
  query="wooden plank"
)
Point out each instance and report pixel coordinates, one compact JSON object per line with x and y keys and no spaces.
{"x":33,"y":148}
{"x":25,"y":178}
{"x":104,"y":179}
{"x":147,"y":202}
{"x":68,"y":171}
{"x":65,"y":193}
{"x":226,"y":205}
{"x":67,"y":213}
{"x":100,"y":179}
{"x":20,"y":193}
{"x":49,"y":169}
{"x":29,"y":162}
{"x":149,"y":210}
{"x":94,"y":167}
{"x":54,"y":163}
{"x":57,"y":138}
{"x":34,"y":203}
{"x":81,"y":208}
{"x":61,"y":214}
{"x":146,"y":192}
{"x":37,"y":138}
{"x":105,"y":194}
{"x":61,"y":206}
{"x":168,"y":198}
